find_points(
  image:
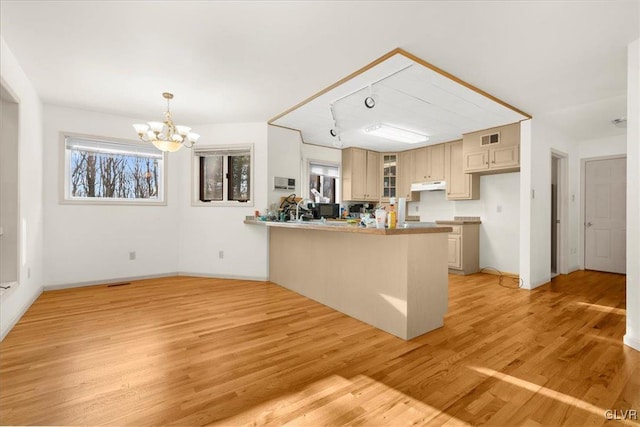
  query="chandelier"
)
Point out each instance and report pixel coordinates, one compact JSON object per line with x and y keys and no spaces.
{"x":165,"y":135}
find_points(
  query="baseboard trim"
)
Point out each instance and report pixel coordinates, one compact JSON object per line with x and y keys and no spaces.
{"x":632,"y":342}
{"x":223,"y":276}
{"x":107,"y":281}
{"x":5,"y":331}
{"x":491,"y":270}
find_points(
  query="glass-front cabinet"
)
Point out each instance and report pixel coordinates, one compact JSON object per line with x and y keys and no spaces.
{"x":389,"y":176}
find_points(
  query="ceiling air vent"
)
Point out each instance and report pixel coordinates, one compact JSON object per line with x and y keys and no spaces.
{"x":492,"y":138}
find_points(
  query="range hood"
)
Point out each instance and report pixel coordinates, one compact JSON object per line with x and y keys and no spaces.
{"x":429,"y":186}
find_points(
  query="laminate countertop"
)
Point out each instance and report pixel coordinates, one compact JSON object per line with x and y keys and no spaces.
{"x":460,"y":220}
{"x":343,"y":227}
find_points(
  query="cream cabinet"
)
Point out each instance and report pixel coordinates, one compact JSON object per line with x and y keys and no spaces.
{"x":389,"y":176}
{"x":405,"y":175}
{"x":428,"y":163}
{"x":361,"y":175}
{"x":463,"y":250}
{"x":460,"y":185}
{"x":454,"y":254}
{"x":495,"y":150}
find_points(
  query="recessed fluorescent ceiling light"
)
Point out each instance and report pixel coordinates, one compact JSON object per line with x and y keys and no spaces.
{"x":396,"y":134}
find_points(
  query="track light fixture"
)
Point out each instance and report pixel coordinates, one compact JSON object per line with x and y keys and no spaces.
{"x":369,"y":102}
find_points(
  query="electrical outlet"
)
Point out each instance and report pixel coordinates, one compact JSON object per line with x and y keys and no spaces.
{"x":221,"y":254}
{"x":499,"y":208}
{"x":132,"y":256}
{"x":417,"y":208}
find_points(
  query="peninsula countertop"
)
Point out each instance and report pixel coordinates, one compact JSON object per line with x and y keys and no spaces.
{"x":343,"y":227}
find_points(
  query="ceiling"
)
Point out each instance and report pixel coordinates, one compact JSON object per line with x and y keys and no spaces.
{"x":233,"y":61}
{"x":408,"y":94}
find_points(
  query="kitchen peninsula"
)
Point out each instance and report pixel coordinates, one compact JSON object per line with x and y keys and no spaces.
{"x":393,"y":279}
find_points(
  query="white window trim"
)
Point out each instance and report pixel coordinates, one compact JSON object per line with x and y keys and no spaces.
{"x":195,"y":177}
{"x":64,"y":198}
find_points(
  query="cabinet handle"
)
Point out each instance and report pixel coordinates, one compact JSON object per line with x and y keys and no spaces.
{"x":493,"y":161}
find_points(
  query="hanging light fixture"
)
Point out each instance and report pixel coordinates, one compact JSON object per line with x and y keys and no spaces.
{"x":165,"y":135}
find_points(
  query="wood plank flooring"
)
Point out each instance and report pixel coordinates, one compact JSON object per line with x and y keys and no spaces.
{"x":197,"y":351}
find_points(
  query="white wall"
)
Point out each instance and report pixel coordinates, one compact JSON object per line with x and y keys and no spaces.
{"x":632,"y":336}
{"x":284,"y":161}
{"x":30,"y":159}
{"x":603,"y":147}
{"x":204,"y":231}
{"x":499,"y":231}
{"x":539,"y":140}
{"x":9,"y":191}
{"x":91,"y":243}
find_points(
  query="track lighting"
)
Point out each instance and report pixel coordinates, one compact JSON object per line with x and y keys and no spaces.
{"x":369,"y":102}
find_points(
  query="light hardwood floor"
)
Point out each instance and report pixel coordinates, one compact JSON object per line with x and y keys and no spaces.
{"x":195,"y":351}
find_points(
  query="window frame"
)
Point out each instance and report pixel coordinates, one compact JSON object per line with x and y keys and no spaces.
{"x":195,"y":175}
{"x":326,"y":163}
{"x":64,"y":192}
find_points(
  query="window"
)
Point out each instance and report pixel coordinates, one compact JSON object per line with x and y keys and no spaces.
{"x":101,"y":170}
{"x":324,"y":180}
{"x":223,"y":175}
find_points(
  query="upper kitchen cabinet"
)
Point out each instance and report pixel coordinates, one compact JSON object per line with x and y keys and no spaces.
{"x":494,"y":150}
{"x":460,"y":185}
{"x":406,"y":160}
{"x":389,"y":176}
{"x":361,"y":175}
{"x":428,"y":163}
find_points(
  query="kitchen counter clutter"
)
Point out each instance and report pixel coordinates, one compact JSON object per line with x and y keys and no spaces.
{"x":344,"y":227}
{"x":393,"y":279}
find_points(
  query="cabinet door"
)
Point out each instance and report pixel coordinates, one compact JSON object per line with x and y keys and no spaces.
{"x":454,"y":252}
{"x":358,"y":173}
{"x":460,"y":185}
{"x":505,"y":157}
{"x":389,"y":176}
{"x":405,"y":174}
{"x":436,"y":163}
{"x":476,"y":161}
{"x":420,"y":164}
{"x":373,"y":181}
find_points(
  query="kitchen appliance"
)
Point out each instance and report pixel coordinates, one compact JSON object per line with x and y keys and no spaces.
{"x":326,"y":210}
{"x":429,"y":186}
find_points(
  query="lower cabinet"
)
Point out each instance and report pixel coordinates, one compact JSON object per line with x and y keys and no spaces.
{"x":463,"y":248}
{"x":454,"y":254}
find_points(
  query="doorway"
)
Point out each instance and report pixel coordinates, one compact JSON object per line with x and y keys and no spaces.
{"x":555,"y":219}
{"x":605,"y":213}
{"x":558,"y":212}
{"x":9,"y":231}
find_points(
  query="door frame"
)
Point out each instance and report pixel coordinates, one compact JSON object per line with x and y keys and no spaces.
{"x":583,"y":200}
{"x":20,"y":224}
{"x":563,"y":210}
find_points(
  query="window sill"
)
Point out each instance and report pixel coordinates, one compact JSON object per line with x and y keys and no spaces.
{"x":102,"y":202}
{"x":199,"y":204}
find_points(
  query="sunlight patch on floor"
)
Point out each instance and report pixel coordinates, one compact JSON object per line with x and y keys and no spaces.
{"x":335,"y":400}
{"x":602,"y":308}
{"x":542,"y":390}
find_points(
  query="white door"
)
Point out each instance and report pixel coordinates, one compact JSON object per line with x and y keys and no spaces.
{"x":605,"y":215}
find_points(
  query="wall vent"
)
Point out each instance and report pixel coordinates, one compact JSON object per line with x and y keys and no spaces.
{"x":492,"y":138}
